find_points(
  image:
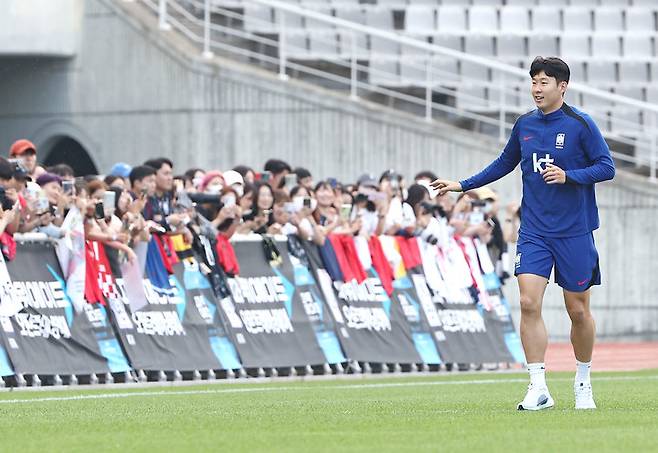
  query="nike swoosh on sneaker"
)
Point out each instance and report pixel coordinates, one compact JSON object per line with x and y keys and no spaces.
{"x":543,"y":399}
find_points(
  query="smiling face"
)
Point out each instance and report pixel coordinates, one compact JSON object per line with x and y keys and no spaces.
{"x":547,"y":93}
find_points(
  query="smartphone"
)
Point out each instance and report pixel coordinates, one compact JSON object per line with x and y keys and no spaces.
{"x":307,"y":202}
{"x":333,"y":182}
{"x":265,"y":176}
{"x":109,"y":202}
{"x":476,"y":217}
{"x":99,"y":211}
{"x":290,"y":180}
{"x":228,"y":201}
{"x":345,"y":211}
{"x":42,"y":204}
{"x":68,"y":187}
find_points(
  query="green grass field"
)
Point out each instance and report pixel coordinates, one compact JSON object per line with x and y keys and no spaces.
{"x":472,"y":412}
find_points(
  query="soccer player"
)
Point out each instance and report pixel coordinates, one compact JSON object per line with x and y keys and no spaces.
{"x":562,"y":155}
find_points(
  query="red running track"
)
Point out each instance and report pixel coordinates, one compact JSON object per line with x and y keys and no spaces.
{"x":607,"y":357}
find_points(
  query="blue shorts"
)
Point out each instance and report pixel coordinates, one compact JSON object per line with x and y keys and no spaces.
{"x":575,"y":259}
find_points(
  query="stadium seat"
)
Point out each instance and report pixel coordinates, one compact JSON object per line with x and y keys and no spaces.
{"x":413,"y":51}
{"x":392,"y":4}
{"x":353,"y":14}
{"x":577,"y":70}
{"x":577,"y":18}
{"x":574,"y":46}
{"x":606,"y":46}
{"x":636,"y":93}
{"x":654,"y":72}
{"x":258,"y":19}
{"x":445,"y":71}
{"x":413,"y":71}
{"x":633,"y":72}
{"x":419,"y":19}
{"x":473,"y":98}
{"x":451,"y":19}
{"x":526,"y":3}
{"x":483,"y":19}
{"x":472,"y":72}
{"x":652,"y":94}
{"x":323,"y":45}
{"x":546,"y":19}
{"x":542,"y":45}
{"x":450,"y":41}
{"x":608,"y":20}
{"x":625,"y":121}
{"x":426,"y":2}
{"x":380,"y":18}
{"x":488,"y":2}
{"x":581,"y":3}
{"x":601,"y":72}
{"x":456,"y":2}
{"x":382,"y":47}
{"x":511,"y":47}
{"x":292,"y":22}
{"x":360,"y":47}
{"x":620,"y":3}
{"x":482,"y":45}
{"x":553,"y":3}
{"x":637,"y":46}
{"x":640,"y":20}
{"x":296,"y":45}
{"x":514,"y":19}
{"x":595,"y":104}
{"x":384,"y":72}
{"x":314,"y":24}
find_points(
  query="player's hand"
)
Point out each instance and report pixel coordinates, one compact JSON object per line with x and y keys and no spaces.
{"x":444,"y":186}
{"x":553,"y":174}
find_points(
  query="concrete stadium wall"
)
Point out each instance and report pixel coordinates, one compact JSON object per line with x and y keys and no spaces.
{"x":40,"y":27}
{"x":134,"y":92}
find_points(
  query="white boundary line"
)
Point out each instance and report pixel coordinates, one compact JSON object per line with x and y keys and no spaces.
{"x":116,"y":395}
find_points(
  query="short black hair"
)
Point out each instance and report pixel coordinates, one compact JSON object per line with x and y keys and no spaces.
{"x":302,"y":173}
{"x":189,"y":174}
{"x":243,"y":170}
{"x":62,"y":170}
{"x":140,"y":172}
{"x":109,"y":179}
{"x":425,"y":174}
{"x":6,"y":169}
{"x":552,"y":67}
{"x":158,"y":162}
{"x":276,"y":166}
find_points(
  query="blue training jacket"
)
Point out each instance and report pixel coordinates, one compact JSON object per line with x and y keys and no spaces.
{"x":569,"y":139}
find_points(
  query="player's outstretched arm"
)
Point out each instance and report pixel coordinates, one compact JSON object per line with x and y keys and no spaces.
{"x":444,"y":186}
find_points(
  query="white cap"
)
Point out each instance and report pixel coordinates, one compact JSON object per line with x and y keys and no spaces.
{"x":232,"y":177}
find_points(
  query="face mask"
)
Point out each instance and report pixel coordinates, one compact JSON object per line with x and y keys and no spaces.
{"x":239,"y":189}
{"x":214,"y":189}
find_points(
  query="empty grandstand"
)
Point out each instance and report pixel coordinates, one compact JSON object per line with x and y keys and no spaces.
{"x":457,"y":60}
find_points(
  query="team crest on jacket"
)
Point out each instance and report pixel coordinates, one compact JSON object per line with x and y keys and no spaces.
{"x":559,"y":141}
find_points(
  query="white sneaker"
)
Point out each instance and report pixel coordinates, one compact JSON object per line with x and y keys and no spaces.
{"x":536,"y":399}
{"x":584,"y":397}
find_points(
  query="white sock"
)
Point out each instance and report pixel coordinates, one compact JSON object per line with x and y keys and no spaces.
{"x":537,"y":374}
{"x":582,"y":371}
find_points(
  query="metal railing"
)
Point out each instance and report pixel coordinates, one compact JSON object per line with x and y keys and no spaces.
{"x":413,"y":75}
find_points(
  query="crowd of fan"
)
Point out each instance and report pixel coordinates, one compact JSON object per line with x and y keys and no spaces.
{"x":132,"y":202}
